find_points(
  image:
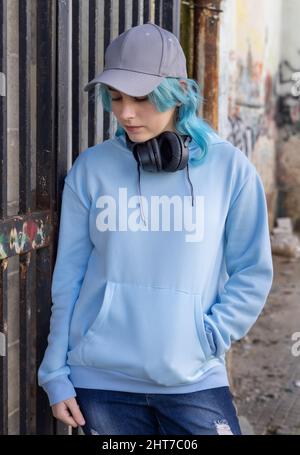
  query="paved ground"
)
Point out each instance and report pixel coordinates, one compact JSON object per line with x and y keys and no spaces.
{"x":265,"y":373}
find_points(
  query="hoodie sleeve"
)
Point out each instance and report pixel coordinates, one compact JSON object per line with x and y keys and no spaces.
{"x":249,"y":266}
{"x":74,"y":249}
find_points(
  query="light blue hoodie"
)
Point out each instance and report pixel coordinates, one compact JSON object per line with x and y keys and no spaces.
{"x":153,"y":308}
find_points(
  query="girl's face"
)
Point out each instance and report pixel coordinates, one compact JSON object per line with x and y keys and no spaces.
{"x":139,"y":112}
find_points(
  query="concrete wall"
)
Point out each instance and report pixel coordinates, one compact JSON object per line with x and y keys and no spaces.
{"x":288,"y":115}
{"x":250,"y":50}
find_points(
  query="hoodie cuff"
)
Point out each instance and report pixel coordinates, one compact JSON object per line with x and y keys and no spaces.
{"x":59,"y":389}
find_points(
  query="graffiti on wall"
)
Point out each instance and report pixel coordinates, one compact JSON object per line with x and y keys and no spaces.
{"x":243,"y":135}
{"x":249,"y":86}
{"x":19,"y":235}
{"x":288,"y":98}
{"x":252,"y":109}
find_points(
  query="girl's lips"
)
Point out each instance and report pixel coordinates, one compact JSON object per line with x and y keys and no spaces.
{"x":133,"y":129}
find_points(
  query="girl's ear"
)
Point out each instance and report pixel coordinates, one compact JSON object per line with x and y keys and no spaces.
{"x":183,"y":85}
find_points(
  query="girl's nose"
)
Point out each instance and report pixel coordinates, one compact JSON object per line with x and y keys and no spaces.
{"x":127,"y":112}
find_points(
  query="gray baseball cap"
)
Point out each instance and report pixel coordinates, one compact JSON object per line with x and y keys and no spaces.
{"x":139,"y":59}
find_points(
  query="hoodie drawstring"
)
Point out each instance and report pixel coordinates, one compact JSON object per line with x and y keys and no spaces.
{"x":191,"y":185}
{"x":139,"y":187}
{"x":141,"y":203}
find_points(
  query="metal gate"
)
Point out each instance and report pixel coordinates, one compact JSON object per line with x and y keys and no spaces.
{"x":61,"y":47}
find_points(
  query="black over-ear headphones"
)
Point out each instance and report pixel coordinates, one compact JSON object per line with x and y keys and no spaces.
{"x":166,"y":152}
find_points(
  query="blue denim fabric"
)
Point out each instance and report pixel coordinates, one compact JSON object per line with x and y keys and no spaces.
{"x":205,"y":412}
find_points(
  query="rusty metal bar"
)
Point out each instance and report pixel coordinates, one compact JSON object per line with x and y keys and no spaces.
{"x":92,"y":71}
{"x":76,"y":111}
{"x":167,"y":20}
{"x":107,"y":40}
{"x":44,"y":420}
{"x":158,"y":12}
{"x":206,"y":55}
{"x":25,"y":202}
{"x":28,"y":230}
{"x":63,"y":121}
{"x":3,"y":348}
{"x":187,"y":34}
{"x":3,"y":214}
{"x":46,"y":186}
{"x":135,"y":12}
{"x":3,"y":109}
{"x":27,"y":338}
{"x":122,"y":12}
{"x":146,"y":11}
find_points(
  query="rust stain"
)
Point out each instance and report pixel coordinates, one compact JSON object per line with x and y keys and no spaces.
{"x":23,"y":270}
{"x":24,"y":265}
{"x":4,"y":264}
{"x":206,"y":52}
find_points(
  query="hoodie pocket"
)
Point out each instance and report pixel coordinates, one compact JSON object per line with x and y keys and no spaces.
{"x":149,"y":333}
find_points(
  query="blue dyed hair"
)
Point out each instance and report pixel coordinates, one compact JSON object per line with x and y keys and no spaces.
{"x":164,"y":97}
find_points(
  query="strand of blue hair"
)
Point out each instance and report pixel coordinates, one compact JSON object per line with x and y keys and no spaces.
{"x":168,"y":94}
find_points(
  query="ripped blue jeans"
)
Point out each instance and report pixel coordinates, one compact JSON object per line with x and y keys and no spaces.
{"x":205,"y":412}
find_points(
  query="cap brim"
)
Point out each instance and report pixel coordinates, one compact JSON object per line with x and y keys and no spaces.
{"x":129,"y":82}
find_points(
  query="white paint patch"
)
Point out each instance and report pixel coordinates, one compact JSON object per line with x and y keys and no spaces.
{"x":2,"y":84}
{"x":223,"y":428}
{"x":2,"y":344}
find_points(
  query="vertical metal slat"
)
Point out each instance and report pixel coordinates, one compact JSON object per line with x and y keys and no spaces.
{"x":3,"y":354}
{"x":46,"y":188}
{"x":92,"y":71}
{"x":135,"y":12}
{"x":76,"y":95}
{"x":107,"y":34}
{"x":3,"y":214}
{"x":63,"y":126}
{"x":25,"y":205}
{"x":167,"y":15}
{"x":157,"y":12}
{"x":146,"y":11}
{"x":122,"y":13}
{"x":63,"y":120}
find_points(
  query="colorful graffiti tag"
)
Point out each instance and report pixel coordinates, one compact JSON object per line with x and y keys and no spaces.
{"x":19,"y":236}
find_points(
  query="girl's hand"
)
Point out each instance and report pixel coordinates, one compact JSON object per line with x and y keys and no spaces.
{"x":68,"y":412}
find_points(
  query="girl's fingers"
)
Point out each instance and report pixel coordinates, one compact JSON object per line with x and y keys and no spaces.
{"x":68,"y":412}
{"x":75,"y":411}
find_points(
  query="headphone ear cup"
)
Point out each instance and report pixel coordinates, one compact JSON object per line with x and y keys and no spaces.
{"x":173,"y":152}
{"x":184,"y":144}
{"x":148,"y":155}
{"x":155,"y":153}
